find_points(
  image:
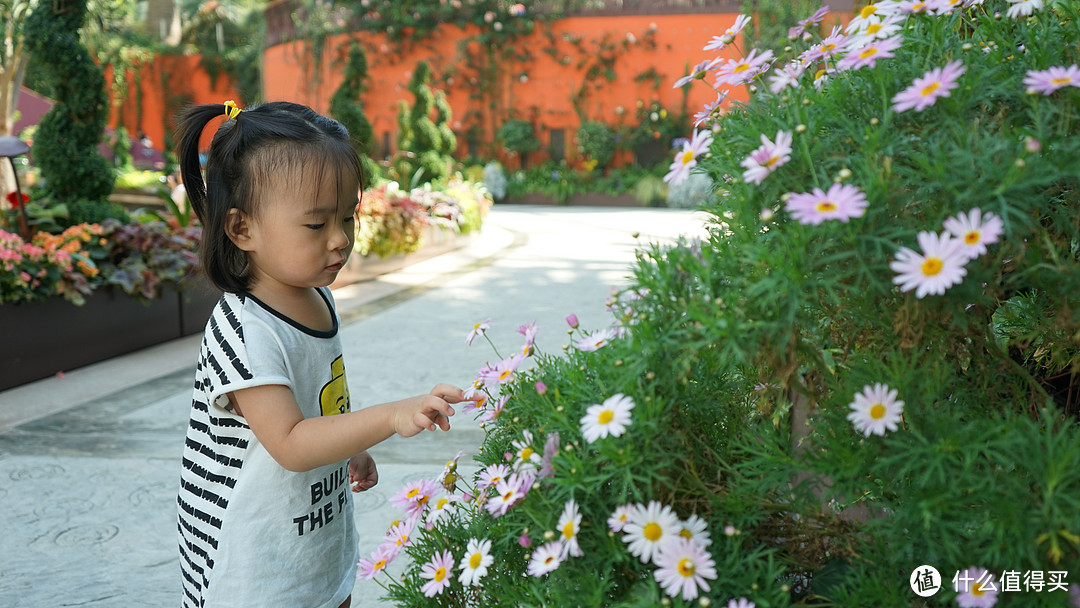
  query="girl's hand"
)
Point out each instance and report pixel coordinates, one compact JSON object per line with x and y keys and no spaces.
{"x":362,"y":472}
{"x":428,"y":412}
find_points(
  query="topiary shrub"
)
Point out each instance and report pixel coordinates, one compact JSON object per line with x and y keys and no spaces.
{"x":517,"y":137}
{"x":427,"y":151}
{"x":346,"y":108}
{"x":869,"y":368}
{"x":65,"y":145}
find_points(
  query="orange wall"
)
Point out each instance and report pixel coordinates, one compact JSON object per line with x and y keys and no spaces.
{"x":540,"y":90}
{"x":167,"y":84}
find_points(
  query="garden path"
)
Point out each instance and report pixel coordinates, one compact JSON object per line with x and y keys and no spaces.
{"x":89,"y":462}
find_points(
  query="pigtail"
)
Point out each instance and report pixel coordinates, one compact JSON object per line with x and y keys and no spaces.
{"x":190,"y":127}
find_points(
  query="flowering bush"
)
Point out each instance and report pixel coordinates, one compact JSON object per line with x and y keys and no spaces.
{"x":136,"y":257}
{"x":868,"y":369}
{"x":393,"y":221}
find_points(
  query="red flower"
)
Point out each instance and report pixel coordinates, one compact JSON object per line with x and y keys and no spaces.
{"x":13,"y":199}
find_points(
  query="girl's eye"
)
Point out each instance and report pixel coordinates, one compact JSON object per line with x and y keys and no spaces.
{"x":316,"y":226}
{"x":349,"y":218}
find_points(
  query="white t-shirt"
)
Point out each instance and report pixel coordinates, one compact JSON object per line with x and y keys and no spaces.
{"x":251,"y":532}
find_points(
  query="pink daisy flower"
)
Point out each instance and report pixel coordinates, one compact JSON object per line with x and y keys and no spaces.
{"x":719,"y":42}
{"x":868,"y":55}
{"x":809,"y":22}
{"x":1051,"y":79}
{"x":686,"y":159}
{"x":491,"y":475}
{"x":787,"y":76}
{"x":439,"y":572}
{"x":975,"y":231}
{"x":492,"y":412}
{"x":509,"y":492}
{"x":698,"y":73}
{"x":767,"y":158}
{"x":924,"y":91}
{"x":397,"y":537}
{"x":937,"y":268}
{"x":683,"y":568}
{"x":828,"y":48}
{"x":414,"y":497}
{"x":741,"y":71}
{"x":369,"y":567}
{"x":503,"y":371}
{"x":547,"y":462}
{"x":976,"y":588}
{"x":842,"y":202}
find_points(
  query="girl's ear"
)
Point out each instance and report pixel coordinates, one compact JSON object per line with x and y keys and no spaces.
{"x":238,"y":228}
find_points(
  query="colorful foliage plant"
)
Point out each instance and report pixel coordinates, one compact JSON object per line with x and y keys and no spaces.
{"x":869,"y":369}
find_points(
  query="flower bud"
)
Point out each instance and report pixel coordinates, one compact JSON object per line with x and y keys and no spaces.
{"x":541,"y":388}
{"x":572,"y":320}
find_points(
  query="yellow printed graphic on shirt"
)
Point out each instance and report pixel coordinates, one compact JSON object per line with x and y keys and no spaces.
{"x":334,"y":397}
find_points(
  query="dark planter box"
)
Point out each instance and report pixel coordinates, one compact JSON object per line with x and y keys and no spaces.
{"x":42,"y":338}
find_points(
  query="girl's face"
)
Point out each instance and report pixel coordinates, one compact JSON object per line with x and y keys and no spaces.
{"x":300,"y":237}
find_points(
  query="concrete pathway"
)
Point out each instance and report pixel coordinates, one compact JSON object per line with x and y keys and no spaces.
{"x":89,"y":462}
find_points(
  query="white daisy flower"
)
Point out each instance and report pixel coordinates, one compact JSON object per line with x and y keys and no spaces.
{"x":546,"y":559}
{"x":875,"y":410}
{"x":695,"y":529}
{"x":937,"y":268}
{"x":620,"y":518}
{"x":477,"y":330}
{"x":596,"y":340}
{"x":527,"y":459}
{"x":742,"y":602}
{"x":569,"y":524}
{"x":476,"y":561}
{"x":648,"y":528}
{"x":975,"y":230}
{"x":607,"y":419}
{"x":440,"y":508}
{"x":683,"y":567}
{"x":491,"y":475}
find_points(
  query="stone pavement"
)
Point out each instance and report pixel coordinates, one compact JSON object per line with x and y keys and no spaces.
{"x":89,"y":463}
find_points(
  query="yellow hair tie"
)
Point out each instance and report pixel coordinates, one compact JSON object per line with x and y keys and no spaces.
{"x":231,"y":109}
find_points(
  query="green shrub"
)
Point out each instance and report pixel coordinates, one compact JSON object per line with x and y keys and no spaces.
{"x":597,"y":142}
{"x":767,"y":363}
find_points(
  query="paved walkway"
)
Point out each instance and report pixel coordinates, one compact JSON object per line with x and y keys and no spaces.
{"x":89,"y":462}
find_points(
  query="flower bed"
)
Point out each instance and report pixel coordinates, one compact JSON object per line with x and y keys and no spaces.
{"x":862,"y":390}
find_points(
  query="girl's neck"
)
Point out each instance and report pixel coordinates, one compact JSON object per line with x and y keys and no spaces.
{"x":303,"y":305}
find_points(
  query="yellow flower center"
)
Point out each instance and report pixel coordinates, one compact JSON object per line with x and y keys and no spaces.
{"x":826,"y":206}
{"x":686,"y":567}
{"x":526,"y":453}
{"x":869,"y":51}
{"x":829,"y":47}
{"x":605,"y":417}
{"x":772,"y":161}
{"x":686,"y":533}
{"x":496,"y":479}
{"x":508,"y":495}
{"x":867,"y":11}
{"x":652,"y":532}
{"x":742,"y":67}
{"x":548,"y":560}
{"x":505,"y":374}
{"x":442,"y":503}
{"x":687,"y":157}
{"x":379,"y":565}
{"x":440,"y":574}
{"x":412,"y":493}
{"x":474,"y":560}
{"x":930,"y":88}
{"x":873,"y":28}
{"x":568,"y":530}
{"x":972,"y":237}
{"x":477,"y":326}
{"x":877,"y":411}
{"x":819,"y":73}
{"x":977,"y":590}
{"x":931,"y":266}
{"x":404,"y":538}
{"x":1061,"y":81}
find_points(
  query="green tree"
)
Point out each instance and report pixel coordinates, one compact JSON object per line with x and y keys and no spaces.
{"x":66,"y":144}
{"x":346,"y":107}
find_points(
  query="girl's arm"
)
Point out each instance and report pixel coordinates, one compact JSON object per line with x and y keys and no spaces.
{"x":302,"y":444}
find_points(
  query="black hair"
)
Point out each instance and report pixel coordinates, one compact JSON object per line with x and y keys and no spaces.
{"x":248,"y":153}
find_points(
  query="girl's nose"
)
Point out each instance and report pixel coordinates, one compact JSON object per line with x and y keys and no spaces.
{"x":339,"y":240}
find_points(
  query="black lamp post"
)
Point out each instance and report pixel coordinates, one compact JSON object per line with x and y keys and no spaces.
{"x":10,"y":147}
